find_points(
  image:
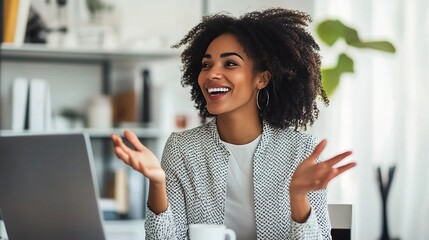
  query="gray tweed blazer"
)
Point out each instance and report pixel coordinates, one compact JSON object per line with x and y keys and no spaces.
{"x":196,"y":166}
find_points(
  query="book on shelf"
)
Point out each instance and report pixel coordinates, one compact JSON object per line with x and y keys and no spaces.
{"x":10,"y":16}
{"x":3,"y":16}
{"x":14,"y":20}
{"x":19,"y":101}
{"x":21,"y":21}
{"x":121,"y":190}
{"x":39,"y":105}
{"x":115,"y":203}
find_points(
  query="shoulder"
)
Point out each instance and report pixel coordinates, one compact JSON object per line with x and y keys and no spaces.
{"x":289,"y":141}
{"x":291,"y":136}
{"x":189,"y":139}
{"x":192,"y":135}
{"x":184,"y":148}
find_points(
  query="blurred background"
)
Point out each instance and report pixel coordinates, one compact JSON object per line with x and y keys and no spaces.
{"x":107,"y":65}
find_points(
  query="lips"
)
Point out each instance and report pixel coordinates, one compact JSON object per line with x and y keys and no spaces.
{"x":218,"y":90}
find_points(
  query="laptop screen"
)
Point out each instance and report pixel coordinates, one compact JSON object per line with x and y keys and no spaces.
{"x":47,"y":187}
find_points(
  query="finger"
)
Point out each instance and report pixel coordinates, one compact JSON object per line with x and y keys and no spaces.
{"x":134,"y":163}
{"x":128,"y":159}
{"x":117,"y":142}
{"x":335,"y":172}
{"x":124,"y":156}
{"x":134,"y":140}
{"x":317,"y":151}
{"x":331,"y":162}
{"x":115,"y":139}
{"x":345,"y":168}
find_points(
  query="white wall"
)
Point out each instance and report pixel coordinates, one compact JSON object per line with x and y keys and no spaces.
{"x":239,"y":7}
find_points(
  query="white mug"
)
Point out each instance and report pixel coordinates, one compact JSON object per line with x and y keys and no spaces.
{"x":210,"y":232}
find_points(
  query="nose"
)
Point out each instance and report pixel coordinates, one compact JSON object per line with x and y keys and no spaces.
{"x":214,"y":74}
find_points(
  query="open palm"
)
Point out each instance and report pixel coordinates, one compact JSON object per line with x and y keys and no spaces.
{"x":139,"y":158}
{"x":310,"y":176}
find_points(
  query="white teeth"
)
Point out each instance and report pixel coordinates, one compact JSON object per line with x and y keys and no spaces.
{"x":211,"y":90}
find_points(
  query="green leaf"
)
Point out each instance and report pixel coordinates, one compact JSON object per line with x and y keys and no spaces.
{"x":345,"y":64}
{"x":350,"y":35}
{"x":329,"y":31}
{"x":331,"y":76}
{"x":330,"y":80}
{"x":384,"y":46}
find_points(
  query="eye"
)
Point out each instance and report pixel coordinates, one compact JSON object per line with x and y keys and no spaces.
{"x":205,"y":65}
{"x":230,"y":64}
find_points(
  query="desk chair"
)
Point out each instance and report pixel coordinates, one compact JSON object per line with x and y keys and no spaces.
{"x":341,"y":221}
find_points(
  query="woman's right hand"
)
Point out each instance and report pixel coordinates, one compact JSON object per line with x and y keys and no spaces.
{"x":140,"y":158}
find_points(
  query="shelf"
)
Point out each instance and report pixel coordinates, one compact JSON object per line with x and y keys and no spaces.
{"x":140,"y":132}
{"x":147,"y":133}
{"x":40,"y":51}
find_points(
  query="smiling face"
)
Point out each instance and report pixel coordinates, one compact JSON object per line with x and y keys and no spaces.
{"x":227,"y":78}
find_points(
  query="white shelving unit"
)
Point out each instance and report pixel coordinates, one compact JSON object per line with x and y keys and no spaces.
{"x":81,"y":53}
{"x":109,"y":61}
{"x":144,"y":133}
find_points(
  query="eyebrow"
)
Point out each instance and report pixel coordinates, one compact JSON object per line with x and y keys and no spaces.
{"x":223,"y":55}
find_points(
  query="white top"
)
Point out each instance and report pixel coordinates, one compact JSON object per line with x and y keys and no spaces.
{"x":239,"y":205}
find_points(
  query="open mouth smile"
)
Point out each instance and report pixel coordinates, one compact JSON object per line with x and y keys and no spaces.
{"x":218,"y":91}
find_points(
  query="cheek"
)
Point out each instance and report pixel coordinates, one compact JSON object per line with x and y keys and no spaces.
{"x":201,"y":80}
{"x":248,"y":82}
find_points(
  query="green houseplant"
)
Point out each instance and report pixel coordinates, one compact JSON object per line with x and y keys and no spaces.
{"x":330,"y":31}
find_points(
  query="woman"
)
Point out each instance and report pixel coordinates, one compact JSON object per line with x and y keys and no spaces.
{"x":250,"y":167}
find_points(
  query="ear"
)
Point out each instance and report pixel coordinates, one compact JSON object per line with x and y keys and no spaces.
{"x":264,"y":79}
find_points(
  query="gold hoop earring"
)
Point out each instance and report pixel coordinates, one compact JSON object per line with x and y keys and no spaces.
{"x":267,"y":97}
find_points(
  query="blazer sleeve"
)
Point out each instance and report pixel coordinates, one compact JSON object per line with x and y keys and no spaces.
{"x":318,"y":225}
{"x":171,"y":224}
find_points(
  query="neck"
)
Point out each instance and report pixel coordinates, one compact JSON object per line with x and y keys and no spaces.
{"x":238,"y":130}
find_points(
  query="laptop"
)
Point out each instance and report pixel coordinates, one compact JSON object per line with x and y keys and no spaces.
{"x":48,"y":188}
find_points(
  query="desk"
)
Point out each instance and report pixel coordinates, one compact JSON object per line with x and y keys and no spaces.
{"x":124,"y":230}
{"x":115,"y":230}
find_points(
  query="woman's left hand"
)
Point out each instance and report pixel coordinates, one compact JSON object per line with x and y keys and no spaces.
{"x":310,"y":175}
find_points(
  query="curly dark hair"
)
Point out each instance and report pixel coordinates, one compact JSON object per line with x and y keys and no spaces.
{"x":276,"y":40}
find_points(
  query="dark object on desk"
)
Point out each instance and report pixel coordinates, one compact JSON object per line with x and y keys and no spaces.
{"x":384,"y":188}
